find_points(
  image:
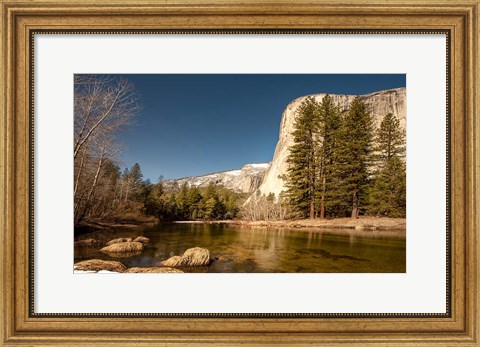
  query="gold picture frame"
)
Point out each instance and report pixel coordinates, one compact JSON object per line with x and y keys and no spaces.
{"x":22,"y":19}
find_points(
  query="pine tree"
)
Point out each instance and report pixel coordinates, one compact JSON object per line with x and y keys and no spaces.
{"x":211,"y":192}
{"x":183,"y":208}
{"x":154,"y":204}
{"x":388,"y":194}
{"x":210,"y":209}
{"x":302,"y":161}
{"x":136,"y":173}
{"x":145,"y":189}
{"x":194,"y":198}
{"x":171,"y":210}
{"x":135,"y":178}
{"x":352,"y":155}
{"x":231,"y":206}
{"x":389,"y":138}
{"x":330,"y":121}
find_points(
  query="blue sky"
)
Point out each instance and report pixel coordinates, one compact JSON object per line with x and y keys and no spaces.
{"x":195,"y":124}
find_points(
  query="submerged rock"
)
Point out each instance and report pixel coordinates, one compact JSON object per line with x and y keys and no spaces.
{"x":98,"y":265}
{"x":142,"y":239}
{"x":123,"y":247}
{"x":119,"y":240}
{"x":153,"y":270}
{"x":85,"y":243}
{"x":196,"y":256}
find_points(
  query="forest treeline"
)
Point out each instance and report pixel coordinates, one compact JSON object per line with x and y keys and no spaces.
{"x":340,"y":166}
{"x":192,"y":203}
{"x":103,"y":107}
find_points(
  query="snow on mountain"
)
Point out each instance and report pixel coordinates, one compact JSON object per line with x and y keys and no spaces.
{"x":245,"y":180}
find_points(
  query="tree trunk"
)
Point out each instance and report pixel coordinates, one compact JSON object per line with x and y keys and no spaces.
{"x":322,"y":200}
{"x":127,"y":189}
{"x":79,"y":173}
{"x":94,"y":185}
{"x":312,"y":196}
{"x":312,"y":208}
{"x":355,"y":211}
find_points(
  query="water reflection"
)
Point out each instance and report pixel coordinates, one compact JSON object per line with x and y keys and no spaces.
{"x":243,"y":249}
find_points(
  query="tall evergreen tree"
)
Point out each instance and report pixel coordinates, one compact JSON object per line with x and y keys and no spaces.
{"x":302,"y":159}
{"x":136,"y":174}
{"x":211,"y":191}
{"x":352,"y":156}
{"x":194,"y":197}
{"x":388,"y":193}
{"x":183,"y":207}
{"x":135,"y":181}
{"x":389,"y":138}
{"x":330,"y":121}
{"x":210,"y":209}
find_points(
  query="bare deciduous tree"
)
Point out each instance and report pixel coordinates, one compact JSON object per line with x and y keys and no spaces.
{"x":261,"y":207}
{"x":103,"y":107}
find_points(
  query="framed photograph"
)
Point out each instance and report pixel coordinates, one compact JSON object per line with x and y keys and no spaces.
{"x":239,"y":173}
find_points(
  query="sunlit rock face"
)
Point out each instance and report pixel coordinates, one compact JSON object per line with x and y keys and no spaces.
{"x":378,"y":103}
{"x":265,"y":177}
{"x":245,"y":180}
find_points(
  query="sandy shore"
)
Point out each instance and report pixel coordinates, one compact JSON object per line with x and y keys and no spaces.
{"x":362,"y":223}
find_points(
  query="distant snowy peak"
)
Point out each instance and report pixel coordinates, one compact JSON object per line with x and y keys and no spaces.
{"x":245,"y":180}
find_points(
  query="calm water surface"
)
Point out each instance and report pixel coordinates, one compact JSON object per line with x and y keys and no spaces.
{"x":247,"y":249}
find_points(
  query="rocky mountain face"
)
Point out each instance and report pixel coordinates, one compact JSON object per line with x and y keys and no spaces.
{"x":265,"y":177}
{"x":245,"y":180}
{"x":379,"y":104}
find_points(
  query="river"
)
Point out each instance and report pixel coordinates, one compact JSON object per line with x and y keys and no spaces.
{"x":262,"y":249}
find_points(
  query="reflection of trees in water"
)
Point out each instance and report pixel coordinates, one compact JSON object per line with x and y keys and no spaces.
{"x":262,"y":245}
{"x":106,"y":235}
{"x":263,"y":249}
{"x":89,"y":252}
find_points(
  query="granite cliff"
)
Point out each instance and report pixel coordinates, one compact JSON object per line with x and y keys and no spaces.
{"x":378,"y":103}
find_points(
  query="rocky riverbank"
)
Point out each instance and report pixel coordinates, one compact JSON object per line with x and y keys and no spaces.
{"x":362,"y":223}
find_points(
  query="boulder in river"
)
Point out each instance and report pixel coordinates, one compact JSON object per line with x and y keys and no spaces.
{"x":119,"y":240}
{"x":98,"y":265}
{"x":123,"y":247}
{"x":196,"y":256}
{"x":142,"y":239}
{"x":153,"y":270}
{"x":123,"y":254}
